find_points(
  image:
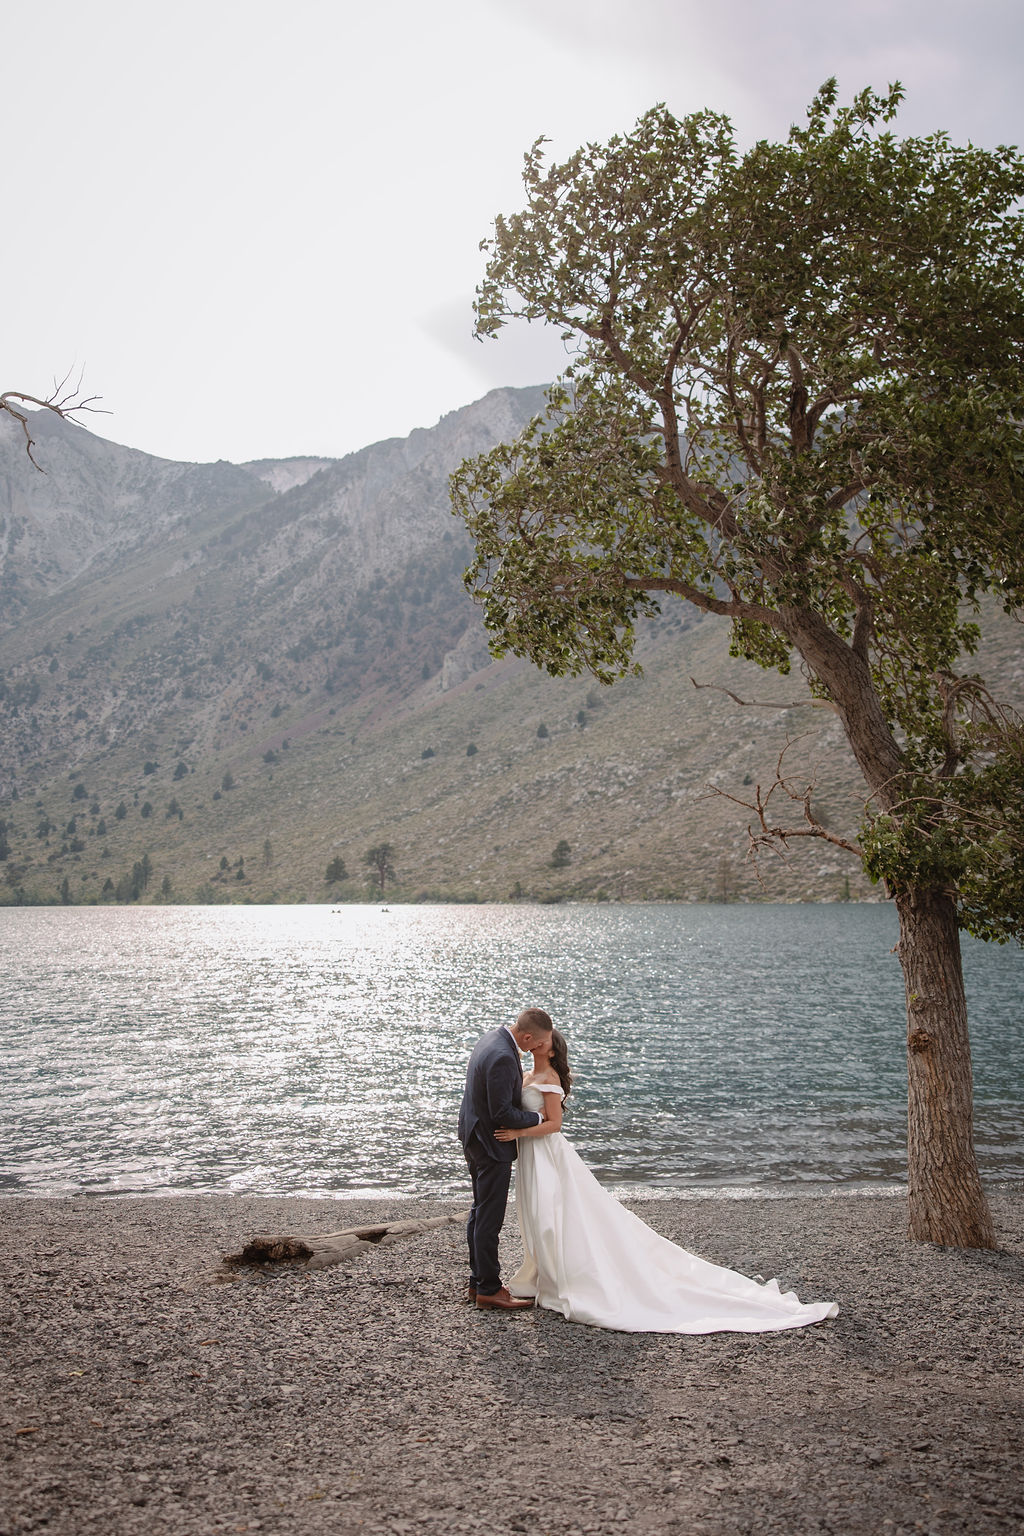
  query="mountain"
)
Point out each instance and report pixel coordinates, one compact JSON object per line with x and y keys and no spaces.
{"x":217,"y":679}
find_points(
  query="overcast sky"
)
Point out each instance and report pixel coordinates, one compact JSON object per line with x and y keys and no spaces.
{"x":256,"y":225}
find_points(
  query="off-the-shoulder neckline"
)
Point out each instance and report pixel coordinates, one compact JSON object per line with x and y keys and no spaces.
{"x":546,"y":1087}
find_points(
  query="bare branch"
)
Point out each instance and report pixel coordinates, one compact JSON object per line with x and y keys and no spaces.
{"x":64,"y":401}
{"x":768,"y":703}
{"x":1002,"y":724}
{"x":770,"y":837}
{"x":776,"y":838}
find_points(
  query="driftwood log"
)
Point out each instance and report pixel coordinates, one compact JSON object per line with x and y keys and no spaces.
{"x":319,"y":1249}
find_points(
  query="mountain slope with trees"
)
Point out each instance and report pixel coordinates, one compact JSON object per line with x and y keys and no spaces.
{"x":228,"y":692}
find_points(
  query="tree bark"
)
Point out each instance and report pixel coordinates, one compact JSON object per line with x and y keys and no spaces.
{"x":847,"y":676}
{"x":946,"y":1203}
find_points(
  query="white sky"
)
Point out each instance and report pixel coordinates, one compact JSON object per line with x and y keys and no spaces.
{"x":256,"y":225}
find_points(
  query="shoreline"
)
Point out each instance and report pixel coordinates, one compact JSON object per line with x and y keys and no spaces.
{"x":151,"y":1393}
{"x":629,"y":1194}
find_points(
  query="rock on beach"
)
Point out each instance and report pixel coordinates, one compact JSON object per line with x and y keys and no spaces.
{"x":147,"y":1390}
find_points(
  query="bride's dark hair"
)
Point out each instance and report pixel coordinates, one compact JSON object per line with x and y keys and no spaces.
{"x":559,"y":1059}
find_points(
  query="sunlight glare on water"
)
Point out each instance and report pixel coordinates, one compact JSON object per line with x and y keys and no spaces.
{"x":310,"y":1050}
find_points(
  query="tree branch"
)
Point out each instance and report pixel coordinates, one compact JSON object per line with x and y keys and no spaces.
{"x":753,"y":462}
{"x":736,"y":609}
{"x":800,"y":437}
{"x":863,"y":625}
{"x":62,"y":401}
{"x":1002,"y":723}
{"x":844,"y":494}
{"x":768,"y":703}
{"x":776,"y":838}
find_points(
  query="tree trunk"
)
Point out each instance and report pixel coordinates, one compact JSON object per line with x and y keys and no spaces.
{"x":946,"y":1203}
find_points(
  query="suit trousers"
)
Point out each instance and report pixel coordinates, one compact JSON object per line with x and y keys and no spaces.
{"x":491,"y":1180}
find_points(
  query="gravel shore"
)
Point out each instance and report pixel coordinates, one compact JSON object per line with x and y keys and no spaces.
{"x":144,"y":1396}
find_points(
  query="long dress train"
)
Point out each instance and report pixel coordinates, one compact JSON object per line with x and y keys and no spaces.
{"x":595,"y":1262}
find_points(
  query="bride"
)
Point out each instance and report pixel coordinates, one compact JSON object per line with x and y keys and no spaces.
{"x":595,"y":1262}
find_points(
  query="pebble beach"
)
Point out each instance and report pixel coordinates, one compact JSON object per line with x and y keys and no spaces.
{"x":148,"y":1390}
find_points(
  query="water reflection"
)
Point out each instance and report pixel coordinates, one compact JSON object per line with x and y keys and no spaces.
{"x":305,"y":1050}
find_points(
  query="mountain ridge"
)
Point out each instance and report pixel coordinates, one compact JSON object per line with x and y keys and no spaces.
{"x":231,"y":676}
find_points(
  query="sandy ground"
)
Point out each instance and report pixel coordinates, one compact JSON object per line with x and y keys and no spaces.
{"x":141,"y":1396}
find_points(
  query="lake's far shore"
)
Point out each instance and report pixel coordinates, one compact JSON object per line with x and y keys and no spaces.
{"x":143,"y":1397}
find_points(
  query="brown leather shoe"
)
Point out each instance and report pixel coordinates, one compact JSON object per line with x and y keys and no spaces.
{"x":503,"y":1301}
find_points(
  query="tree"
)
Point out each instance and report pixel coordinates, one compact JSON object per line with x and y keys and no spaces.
{"x":796,"y":402}
{"x":130,"y":887}
{"x":336,"y":870}
{"x":378,"y":861}
{"x":562,"y":856}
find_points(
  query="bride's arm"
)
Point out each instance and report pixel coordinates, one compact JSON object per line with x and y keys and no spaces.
{"x":552,"y":1122}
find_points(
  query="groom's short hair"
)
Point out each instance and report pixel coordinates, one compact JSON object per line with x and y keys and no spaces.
{"x":534,"y":1021}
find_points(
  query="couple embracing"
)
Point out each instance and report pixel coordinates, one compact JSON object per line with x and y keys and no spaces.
{"x":585,"y":1255}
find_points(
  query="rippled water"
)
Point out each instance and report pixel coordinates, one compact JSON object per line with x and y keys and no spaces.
{"x":305,"y":1050}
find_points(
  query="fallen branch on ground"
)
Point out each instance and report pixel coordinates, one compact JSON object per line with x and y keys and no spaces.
{"x":318,"y":1250}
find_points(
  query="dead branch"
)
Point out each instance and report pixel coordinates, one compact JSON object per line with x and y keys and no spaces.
{"x":776,"y":838}
{"x":64,"y":400}
{"x":320,"y":1249}
{"x":767,"y":703}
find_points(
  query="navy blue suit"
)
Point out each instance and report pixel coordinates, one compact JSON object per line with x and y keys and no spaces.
{"x":493,"y":1097}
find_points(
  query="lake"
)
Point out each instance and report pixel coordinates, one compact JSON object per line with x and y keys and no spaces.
{"x":305,"y":1050}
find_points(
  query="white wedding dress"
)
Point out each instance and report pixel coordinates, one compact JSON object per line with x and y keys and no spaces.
{"x":595,"y":1262}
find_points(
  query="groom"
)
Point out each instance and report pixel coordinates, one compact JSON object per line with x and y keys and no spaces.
{"x":493,"y":1097}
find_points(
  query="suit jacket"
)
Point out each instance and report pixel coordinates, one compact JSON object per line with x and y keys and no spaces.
{"x":494,"y":1095}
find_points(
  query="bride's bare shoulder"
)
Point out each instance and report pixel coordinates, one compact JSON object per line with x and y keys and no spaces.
{"x":545,"y":1077}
